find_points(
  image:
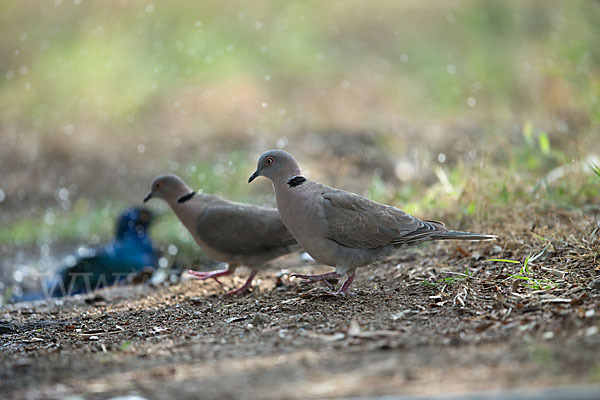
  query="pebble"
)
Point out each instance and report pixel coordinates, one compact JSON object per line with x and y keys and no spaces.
{"x":260,"y":318}
{"x":595,"y":284}
{"x":6,"y":327}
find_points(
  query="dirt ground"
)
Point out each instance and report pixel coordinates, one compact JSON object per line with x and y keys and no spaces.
{"x":437,"y":320}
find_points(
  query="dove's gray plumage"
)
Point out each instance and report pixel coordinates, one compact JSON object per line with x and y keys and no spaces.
{"x":339,"y":228}
{"x":236,"y":233}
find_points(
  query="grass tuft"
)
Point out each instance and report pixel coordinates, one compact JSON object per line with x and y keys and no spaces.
{"x":526,"y":273}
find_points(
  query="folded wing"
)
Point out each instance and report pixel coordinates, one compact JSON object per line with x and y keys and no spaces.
{"x":243,"y":229}
{"x":357,"y":222}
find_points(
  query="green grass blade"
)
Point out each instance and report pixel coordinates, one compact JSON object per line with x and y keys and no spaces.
{"x":595,"y":168}
{"x":503,"y":260}
{"x":524,"y":278}
{"x":544,"y":143}
{"x":526,"y":263}
{"x":538,"y":255}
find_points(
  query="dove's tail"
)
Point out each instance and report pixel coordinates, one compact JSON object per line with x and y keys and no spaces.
{"x":458,"y":235}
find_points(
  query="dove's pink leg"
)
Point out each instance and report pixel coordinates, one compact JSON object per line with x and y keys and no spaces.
{"x":211,"y":274}
{"x":346,"y":285}
{"x":245,"y":287}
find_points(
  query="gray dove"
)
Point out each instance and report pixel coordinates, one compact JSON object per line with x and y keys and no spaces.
{"x":236,"y":233}
{"x":339,"y":228}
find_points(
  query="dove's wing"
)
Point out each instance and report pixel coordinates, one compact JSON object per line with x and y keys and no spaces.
{"x":357,"y":222}
{"x":243,"y":229}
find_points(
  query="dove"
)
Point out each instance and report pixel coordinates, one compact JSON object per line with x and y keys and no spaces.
{"x":343,"y":229}
{"x":236,"y":233}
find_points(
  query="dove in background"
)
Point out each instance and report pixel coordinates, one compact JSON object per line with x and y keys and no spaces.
{"x":235,"y":233}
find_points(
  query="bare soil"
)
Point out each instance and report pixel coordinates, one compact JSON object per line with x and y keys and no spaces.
{"x":438,"y":319}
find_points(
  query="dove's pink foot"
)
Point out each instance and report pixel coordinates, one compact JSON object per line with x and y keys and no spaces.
{"x":345,"y":286}
{"x":210,"y":275}
{"x":318,"y":278}
{"x":245,"y":287}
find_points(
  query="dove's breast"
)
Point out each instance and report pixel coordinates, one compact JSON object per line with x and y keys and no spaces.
{"x":301,"y":210}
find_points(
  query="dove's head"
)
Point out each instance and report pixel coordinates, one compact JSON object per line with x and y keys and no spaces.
{"x":277,"y":165}
{"x":168,"y":187}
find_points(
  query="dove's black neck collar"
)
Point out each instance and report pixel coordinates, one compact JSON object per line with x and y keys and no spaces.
{"x":186,"y":197}
{"x":296,"y":181}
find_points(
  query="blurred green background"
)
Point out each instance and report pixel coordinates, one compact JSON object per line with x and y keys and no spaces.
{"x":460,"y":110}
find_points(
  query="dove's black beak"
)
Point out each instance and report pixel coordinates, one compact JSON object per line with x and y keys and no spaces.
{"x":148,"y":197}
{"x":254,"y":176}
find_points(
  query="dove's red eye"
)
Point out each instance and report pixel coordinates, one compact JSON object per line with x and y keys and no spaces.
{"x":269,"y":161}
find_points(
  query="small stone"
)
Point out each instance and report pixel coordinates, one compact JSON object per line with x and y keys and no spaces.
{"x":260,"y":318}
{"x":592,"y":330}
{"x":548,"y":335}
{"x":513,"y":245}
{"x":7,"y":328}
{"x":594,"y":284}
{"x":496,"y":249}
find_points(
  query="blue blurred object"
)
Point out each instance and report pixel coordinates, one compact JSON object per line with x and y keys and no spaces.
{"x":130,"y":252}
